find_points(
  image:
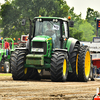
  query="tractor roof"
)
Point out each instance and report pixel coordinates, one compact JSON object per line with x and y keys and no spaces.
{"x":59,"y":18}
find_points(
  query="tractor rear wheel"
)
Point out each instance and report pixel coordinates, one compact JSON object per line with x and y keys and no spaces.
{"x":59,"y":67}
{"x":73,"y":58}
{"x":17,"y":65}
{"x":84,"y":64}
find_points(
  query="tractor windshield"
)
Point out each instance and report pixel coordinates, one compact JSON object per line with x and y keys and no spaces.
{"x":50,"y":28}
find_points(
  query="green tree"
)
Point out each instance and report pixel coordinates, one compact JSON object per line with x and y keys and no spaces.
{"x":73,"y":15}
{"x":87,"y":29}
{"x":12,"y":14}
{"x":76,"y":33}
{"x":91,"y":15}
{"x":9,"y":17}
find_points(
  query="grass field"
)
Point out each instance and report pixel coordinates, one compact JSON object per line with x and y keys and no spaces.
{"x":5,"y":74}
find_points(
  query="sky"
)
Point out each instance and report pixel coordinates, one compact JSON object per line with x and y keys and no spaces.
{"x":2,"y":1}
{"x":81,"y":5}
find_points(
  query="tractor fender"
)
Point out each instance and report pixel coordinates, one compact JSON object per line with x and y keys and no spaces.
{"x":61,"y":50}
{"x":71,"y":42}
{"x":65,"y":51}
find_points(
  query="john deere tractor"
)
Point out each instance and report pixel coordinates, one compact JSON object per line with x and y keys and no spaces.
{"x":50,"y":51}
{"x":4,"y":59}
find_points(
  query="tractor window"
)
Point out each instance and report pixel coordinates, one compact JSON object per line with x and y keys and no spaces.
{"x":49,"y":28}
{"x":65,"y":29}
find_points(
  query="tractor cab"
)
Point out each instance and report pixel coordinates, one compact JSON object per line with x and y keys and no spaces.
{"x":54,"y":27}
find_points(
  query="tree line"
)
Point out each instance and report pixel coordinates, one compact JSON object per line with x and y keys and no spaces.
{"x":13,"y":12}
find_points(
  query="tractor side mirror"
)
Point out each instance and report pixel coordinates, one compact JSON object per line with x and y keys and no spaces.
{"x":23,"y":22}
{"x":71,"y":24}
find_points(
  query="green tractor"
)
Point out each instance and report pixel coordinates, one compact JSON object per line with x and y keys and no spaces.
{"x":4,"y":59}
{"x":50,"y":51}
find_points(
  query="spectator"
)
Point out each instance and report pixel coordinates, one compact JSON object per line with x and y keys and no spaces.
{"x":6,"y":46}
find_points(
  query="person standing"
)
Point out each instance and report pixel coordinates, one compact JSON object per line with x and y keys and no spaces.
{"x":6,"y":46}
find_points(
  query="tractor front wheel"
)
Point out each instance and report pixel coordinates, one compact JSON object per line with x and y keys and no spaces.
{"x":17,"y":65}
{"x":59,"y":67}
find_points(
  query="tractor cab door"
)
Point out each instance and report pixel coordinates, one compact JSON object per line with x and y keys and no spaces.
{"x":65,"y":33}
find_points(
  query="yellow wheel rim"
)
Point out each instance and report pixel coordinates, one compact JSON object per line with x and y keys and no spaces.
{"x":87,"y":64}
{"x":77,"y":64}
{"x":64,"y":67}
{"x":25,"y":71}
{"x":39,"y":70}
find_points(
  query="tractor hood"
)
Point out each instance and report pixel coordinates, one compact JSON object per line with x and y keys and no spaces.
{"x":42,"y":44}
{"x":41,"y":38}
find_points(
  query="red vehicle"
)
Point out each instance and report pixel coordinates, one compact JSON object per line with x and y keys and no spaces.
{"x":24,"y":39}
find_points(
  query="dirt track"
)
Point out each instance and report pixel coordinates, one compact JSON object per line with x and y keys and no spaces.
{"x":46,"y":90}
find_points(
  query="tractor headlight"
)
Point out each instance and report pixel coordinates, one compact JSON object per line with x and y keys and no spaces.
{"x":37,"y":50}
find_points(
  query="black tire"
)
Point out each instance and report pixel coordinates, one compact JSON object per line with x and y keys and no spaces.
{"x":95,"y":71}
{"x":10,"y":60}
{"x":33,"y":74}
{"x":17,"y":65}
{"x":84,"y":64}
{"x":73,"y":58}
{"x":59,"y":67}
{"x":6,"y":67}
{"x":91,"y":73}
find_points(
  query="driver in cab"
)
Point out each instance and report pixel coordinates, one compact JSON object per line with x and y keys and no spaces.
{"x":51,"y":32}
